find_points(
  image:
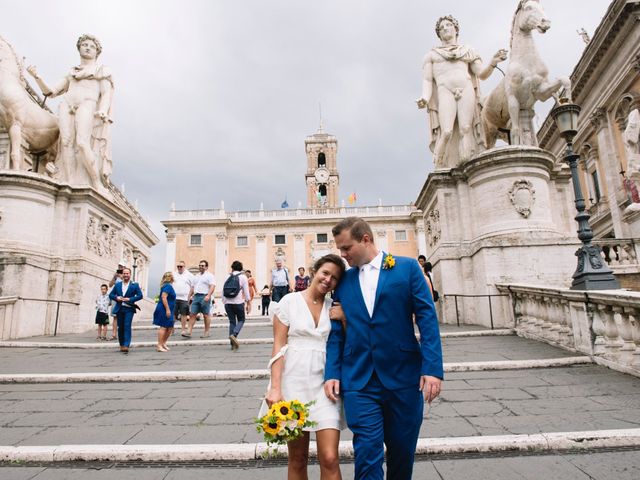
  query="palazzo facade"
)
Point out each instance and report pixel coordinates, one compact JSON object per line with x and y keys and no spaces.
{"x":298,"y":235}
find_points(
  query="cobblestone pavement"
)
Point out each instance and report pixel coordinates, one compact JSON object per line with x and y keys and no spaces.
{"x":522,"y":401}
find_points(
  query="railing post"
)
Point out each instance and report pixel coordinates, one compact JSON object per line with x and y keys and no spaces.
{"x":490,"y":312}
{"x":457,"y":316}
{"x":55,"y":328}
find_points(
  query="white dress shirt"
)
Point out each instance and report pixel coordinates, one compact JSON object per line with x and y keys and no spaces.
{"x":369,"y":275}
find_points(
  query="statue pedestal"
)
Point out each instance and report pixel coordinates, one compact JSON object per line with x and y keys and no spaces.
{"x":58,"y":244}
{"x":504,"y":216}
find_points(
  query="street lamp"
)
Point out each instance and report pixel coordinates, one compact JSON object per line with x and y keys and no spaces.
{"x":592,"y":273}
{"x":136,"y":255}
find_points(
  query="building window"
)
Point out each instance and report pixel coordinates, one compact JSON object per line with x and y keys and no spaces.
{"x":280,"y":239}
{"x":322,"y":238}
{"x":195,"y":240}
{"x":401,"y":235}
{"x":596,"y":186}
{"x":322,"y":160}
{"x":242,"y":241}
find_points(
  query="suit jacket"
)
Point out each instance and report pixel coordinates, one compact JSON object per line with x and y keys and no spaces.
{"x":133,"y":293}
{"x":385,"y":341}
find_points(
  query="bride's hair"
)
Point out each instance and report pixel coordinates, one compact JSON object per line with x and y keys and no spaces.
{"x":330,"y":258}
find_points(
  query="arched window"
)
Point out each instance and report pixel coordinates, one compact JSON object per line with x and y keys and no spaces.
{"x":322,"y":160}
{"x":322,"y":194}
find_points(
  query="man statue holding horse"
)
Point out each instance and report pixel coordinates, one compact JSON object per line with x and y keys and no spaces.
{"x":84,"y":116}
{"x":450,"y":92}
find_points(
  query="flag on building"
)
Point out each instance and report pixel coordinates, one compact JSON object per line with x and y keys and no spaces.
{"x":284,"y":204}
{"x":352,"y":198}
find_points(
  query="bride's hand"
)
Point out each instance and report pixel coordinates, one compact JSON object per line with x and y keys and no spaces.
{"x":336,"y":313}
{"x":274,"y":395}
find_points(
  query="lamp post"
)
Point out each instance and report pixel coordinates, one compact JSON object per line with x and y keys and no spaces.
{"x":136,"y":255}
{"x":592,"y":273}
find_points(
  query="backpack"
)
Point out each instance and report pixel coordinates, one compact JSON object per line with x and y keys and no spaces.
{"x":231,"y":286}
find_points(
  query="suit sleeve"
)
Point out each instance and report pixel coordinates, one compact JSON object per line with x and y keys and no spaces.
{"x":335,"y":343}
{"x":427,"y":321}
{"x":137,"y":296}
{"x":113,"y":294}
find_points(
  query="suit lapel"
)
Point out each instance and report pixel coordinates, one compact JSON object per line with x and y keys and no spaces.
{"x":382,"y":278}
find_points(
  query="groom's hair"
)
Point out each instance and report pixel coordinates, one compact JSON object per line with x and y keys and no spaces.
{"x":356,"y":225}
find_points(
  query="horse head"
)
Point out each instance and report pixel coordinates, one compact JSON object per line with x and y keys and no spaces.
{"x":530,"y":16}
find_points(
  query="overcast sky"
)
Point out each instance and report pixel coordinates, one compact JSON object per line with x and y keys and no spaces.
{"x":214,"y":98}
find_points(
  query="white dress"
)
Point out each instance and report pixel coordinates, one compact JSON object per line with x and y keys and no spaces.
{"x":304,"y":360}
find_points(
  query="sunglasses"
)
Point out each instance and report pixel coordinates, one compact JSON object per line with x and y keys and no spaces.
{"x":179,"y":266}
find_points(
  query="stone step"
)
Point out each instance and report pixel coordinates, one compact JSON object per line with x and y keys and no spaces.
{"x":182,"y":341}
{"x":541,"y":442}
{"x":203,"y":375}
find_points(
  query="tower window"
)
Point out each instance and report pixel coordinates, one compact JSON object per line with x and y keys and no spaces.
{"x":401,"y":235}
{"x":322,"y":160}
{"x":322,"y":238}
{"x":242,"y":241}
{"x":279,"y":239}
{"x":195,"y":240}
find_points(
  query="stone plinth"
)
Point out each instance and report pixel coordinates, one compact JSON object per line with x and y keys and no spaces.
{"x":58,"y":243}
{"x":502,"y":217}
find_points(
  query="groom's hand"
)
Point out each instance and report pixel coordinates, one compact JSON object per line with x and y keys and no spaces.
{"x":332,"y":389}
{"x":429,"y":386}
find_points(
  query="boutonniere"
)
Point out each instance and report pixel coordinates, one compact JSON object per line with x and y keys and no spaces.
{"x":388,"y":262}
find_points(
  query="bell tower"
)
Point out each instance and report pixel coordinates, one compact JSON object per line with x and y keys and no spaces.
{"x":322,"y":176}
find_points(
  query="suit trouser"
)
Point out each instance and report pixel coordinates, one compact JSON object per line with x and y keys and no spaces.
{"x":235,"y":312}
{"x":125,"y":318}
{"x":377,"y":415}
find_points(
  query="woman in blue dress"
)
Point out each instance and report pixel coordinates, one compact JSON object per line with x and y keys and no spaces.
{"x":163,"y":314}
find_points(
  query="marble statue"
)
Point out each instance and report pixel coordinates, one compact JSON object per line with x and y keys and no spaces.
{"x":450,"y":93}
{"x":510,"y":104}
{"x":84,"y":116}
{"x":25,"y":120}
{"x":631,"y":138}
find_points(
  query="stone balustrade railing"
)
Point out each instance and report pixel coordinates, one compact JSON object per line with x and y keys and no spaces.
{"x":621,"y":254}
{"x":252,"y":215}
{"x":602,"y":324}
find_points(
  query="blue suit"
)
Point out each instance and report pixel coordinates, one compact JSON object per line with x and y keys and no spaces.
{"x":125,"y":311}
{"x":379,"y":361}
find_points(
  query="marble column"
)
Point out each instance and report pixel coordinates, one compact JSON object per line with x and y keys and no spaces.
{"x":381,"y":240}
{"x":299,"y":257}
{"x":170,"y":254}
{"x":262,"y":274}
{"x":222,"y":260}
{"x":421,"y":238}
{"x":610,"y":169}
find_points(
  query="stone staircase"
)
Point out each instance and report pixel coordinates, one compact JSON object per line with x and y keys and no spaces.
{"x":512,"y":407}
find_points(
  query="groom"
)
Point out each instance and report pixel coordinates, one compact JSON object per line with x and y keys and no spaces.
{"x":375,"y":361}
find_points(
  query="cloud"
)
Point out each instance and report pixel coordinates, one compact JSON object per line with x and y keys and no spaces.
{"x":214,"y":99}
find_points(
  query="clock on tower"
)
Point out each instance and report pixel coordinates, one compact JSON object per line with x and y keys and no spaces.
{"x":322,"y":173}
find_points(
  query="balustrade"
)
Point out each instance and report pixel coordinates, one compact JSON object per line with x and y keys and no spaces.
{"x":561,"y":317}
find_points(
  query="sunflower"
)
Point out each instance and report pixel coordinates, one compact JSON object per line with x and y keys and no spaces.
{"x":271,"y":424}
{"x":283,"y":410}
{"x":389,"y":262}
{"x":300,"y":417}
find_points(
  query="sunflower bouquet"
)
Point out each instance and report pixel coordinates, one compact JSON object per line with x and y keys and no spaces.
{"x":284,"y":422}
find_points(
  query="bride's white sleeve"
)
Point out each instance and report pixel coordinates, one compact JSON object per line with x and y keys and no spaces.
{"x":281,"y":309}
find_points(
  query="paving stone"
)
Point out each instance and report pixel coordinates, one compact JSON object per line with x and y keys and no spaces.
{"x":82,"y":434}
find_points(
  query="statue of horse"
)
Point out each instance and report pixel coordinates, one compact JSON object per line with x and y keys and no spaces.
{"x":20,"y":113}
{"x":510,"y":104}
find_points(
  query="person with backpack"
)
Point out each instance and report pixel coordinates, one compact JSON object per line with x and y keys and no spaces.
{"x":236,"y":300}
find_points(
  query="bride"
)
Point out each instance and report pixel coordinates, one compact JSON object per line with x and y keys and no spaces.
{"x":301,"y":326}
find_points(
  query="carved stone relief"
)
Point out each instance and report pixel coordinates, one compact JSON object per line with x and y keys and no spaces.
{"x":522,"y":196}
{"x":102,"y":238}
{"x":432,"y":226}
{"x":598,"y":118}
